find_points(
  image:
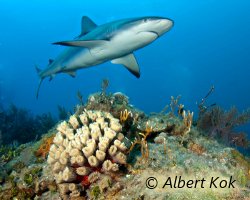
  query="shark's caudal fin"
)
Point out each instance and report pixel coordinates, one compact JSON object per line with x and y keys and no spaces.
{"x":129,"y":61}
{"x":40,"y":82}
{"x":39,"y":85}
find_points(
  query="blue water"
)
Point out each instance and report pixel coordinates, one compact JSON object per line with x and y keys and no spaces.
{"x":208,"y":45}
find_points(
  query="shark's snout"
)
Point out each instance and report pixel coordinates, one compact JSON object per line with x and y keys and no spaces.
{"x":164,"y":25}
{"x":158,"y":25}
{"x":167,"y":22}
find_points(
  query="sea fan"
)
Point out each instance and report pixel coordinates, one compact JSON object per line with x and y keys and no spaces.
{"x":221,"y":124}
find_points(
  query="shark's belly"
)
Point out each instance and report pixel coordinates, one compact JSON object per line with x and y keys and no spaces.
{"x":120,"y":45}
{"x":79,"y":58}
{"x":123,"y":44}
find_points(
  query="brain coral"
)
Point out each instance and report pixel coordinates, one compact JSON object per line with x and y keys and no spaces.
{"x":85,"y":145}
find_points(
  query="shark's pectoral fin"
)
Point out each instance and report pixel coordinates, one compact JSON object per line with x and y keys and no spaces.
{"x":71,"y":73}
{"x":129,"y":61}
{"x":83,"y":43}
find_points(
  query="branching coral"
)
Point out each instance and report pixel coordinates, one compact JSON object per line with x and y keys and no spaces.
{"x":84,"y":147}
{"x":174,"y":103}
{"x":79,"y":97}
{"x":143,"y":143}
{"x":185,"y":127}
{"x":104,"y":86}
{"x":187,"y":116}
{"x":124,"y":115}
{"x":202,"y":105}
{"x":187,"y":121}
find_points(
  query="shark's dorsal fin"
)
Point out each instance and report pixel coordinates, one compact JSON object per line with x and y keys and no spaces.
{"x":83,"y":43}
{"x":51,"y":61}
{"x":87,"y":25}
{"x":129,"y":61}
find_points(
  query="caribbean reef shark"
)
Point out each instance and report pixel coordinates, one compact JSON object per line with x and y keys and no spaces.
{"x":115,"y":41}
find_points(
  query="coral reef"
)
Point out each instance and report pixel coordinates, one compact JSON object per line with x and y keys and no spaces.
{"x":22,"y":177}
{"x":112,"y":103}
{"x":108,"y":150}
{"x":84,"y":147}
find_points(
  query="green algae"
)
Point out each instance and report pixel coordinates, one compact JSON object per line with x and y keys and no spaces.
{"x":95,"y":192}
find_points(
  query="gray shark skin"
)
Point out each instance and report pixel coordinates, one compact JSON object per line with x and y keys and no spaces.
{"x":115,"y":41}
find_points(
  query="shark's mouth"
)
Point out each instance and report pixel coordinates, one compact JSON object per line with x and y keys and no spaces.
{"x":154,"y":33}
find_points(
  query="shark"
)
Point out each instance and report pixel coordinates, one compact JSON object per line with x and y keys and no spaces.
{"x":115,"y":41}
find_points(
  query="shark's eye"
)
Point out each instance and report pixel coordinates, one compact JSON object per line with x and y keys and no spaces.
{"x":145,"y":20}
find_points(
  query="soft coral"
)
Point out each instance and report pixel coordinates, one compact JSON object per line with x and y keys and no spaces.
{"x":221,"y":124}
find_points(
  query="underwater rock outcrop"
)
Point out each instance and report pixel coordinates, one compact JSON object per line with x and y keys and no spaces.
{"x":84,"y":147}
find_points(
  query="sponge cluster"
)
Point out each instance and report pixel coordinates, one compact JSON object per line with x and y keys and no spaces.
{"x":89,"y":143}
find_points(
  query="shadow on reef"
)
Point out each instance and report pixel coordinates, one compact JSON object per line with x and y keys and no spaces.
{"x":108,"y":148}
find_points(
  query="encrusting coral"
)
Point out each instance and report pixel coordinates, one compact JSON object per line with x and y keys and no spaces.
{"x":44,"y":148}
{"x":85,"y":146}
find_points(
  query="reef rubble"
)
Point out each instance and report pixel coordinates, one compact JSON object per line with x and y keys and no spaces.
{"x":108,"y":149}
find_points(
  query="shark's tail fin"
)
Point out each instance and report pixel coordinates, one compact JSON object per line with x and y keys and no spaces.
{"x":38,"y":71}
{"x":40,"y":82}
{"x":39,"y":85}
